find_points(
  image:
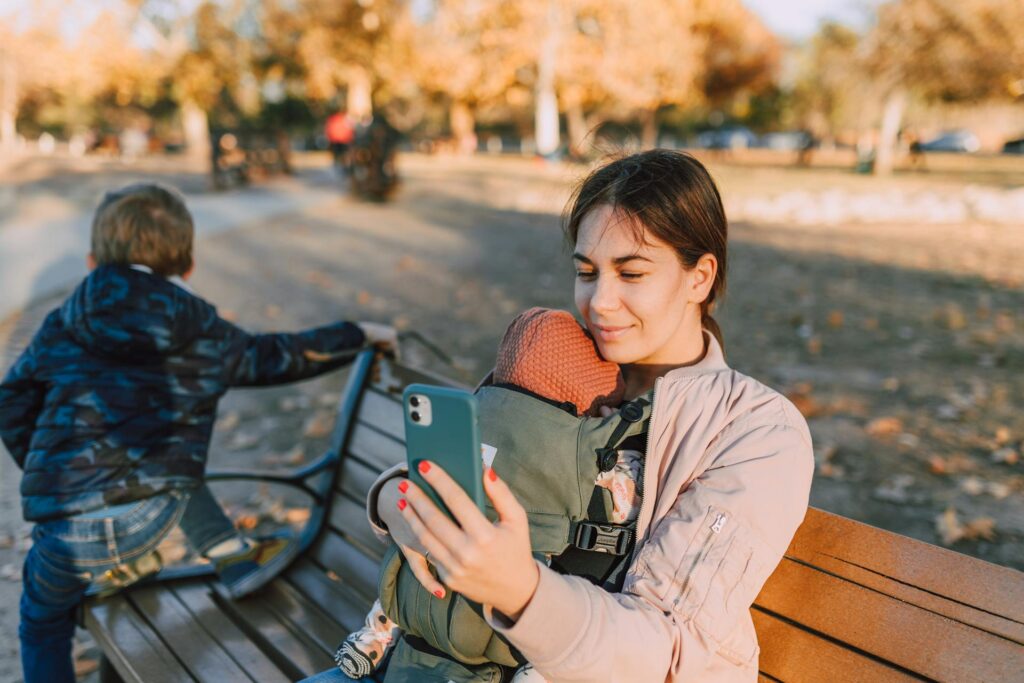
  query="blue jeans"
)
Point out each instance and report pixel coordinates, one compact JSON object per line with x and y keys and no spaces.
{"x":68,"y":554}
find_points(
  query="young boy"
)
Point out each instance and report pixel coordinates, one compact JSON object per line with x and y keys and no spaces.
{"x":109,"y":412}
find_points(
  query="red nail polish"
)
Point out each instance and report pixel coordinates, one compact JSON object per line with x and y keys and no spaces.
{"x":439,"y":593}
{"x":402,"y":503}
{"x":491,"y":474}
{"x":424,"y":467}
{"x":403,"y":487}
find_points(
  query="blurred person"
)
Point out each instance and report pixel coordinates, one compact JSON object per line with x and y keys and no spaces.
{"x":109,"y":412}
{"x":340,"y":132}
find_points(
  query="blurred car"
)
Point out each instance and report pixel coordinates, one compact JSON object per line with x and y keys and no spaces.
{"x":728,"y":137}
{"x":1014,"y":146}
{"x":963,"y":141}
{"x":789,"y":140}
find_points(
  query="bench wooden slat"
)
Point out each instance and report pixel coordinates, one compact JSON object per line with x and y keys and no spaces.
{"x":963,"y":588}
{"x":206,"y":661}
{"x":376,"y":448}
{"x":205,"y":611}
{"x":135,"y":651}
{"x":346,"y":606}
{"x":790,"y":653}
{"x":305,"y":616}
{"x":354,"y":567}
{"x":348,"y":518}
{"x":912,"y":638}
{"x":356,"y":478}
{"x":384,"y":412}
{"x":297,"y":656}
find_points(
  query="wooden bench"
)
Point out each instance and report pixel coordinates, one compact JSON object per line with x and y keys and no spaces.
{"x":848,"y":603}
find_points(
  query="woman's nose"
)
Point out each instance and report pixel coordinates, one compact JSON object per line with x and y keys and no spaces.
{"x":605,"y":296}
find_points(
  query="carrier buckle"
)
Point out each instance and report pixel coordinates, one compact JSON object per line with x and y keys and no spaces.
{"x":601,"y":538}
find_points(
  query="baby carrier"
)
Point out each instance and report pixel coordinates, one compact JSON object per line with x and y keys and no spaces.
{"x":550,"y":458}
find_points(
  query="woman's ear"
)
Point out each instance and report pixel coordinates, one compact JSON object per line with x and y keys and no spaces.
{"x":90,"y":262}
{"x":702,"y":277}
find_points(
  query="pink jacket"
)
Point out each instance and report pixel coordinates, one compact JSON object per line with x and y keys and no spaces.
{"x":729,"y":462}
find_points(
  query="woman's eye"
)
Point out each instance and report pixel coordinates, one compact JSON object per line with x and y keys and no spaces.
{"x":631,"y":276}
{"x":585,"y":274}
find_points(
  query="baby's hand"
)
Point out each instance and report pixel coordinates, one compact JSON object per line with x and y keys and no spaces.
{"x":607,"y":410}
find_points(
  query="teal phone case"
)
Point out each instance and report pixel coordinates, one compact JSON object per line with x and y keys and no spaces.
{"x":452,"y":440}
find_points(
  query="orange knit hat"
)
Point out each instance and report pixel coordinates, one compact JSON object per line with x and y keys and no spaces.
{"x":549,"y":354}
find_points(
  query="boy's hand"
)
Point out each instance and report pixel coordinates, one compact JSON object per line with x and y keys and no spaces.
{"x":384,"y":337}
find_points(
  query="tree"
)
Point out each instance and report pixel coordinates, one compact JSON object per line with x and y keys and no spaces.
{"x":942,"y":49}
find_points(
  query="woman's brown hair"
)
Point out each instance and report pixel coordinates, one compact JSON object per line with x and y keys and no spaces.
{"x":669,"y":195}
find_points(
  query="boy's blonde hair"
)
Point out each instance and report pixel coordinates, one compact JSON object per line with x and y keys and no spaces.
{"x":146,"y":224}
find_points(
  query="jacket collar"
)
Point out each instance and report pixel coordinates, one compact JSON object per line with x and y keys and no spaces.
{"x":712,"y":362}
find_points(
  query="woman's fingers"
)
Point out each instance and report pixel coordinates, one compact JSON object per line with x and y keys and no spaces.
{"x":421,"y":570}
{"x":440,"y":554}
{"x":504,"y":501}
{"x":462,"y":507}
{"x":432,"y":517}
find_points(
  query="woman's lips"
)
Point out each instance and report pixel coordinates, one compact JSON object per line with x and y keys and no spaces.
{"x":609,"y":333}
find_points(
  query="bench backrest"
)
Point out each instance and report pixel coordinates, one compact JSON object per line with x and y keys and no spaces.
{"x":848,"y":602}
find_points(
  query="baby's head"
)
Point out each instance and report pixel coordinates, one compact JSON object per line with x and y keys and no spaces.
{"x":144,"y":224}
{"x":548,"y":353}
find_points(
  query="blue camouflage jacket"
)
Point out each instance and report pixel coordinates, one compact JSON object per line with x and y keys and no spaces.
{"x":115,"y":397}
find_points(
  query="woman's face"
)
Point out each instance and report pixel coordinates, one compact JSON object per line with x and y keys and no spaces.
{"x":639,"y":302}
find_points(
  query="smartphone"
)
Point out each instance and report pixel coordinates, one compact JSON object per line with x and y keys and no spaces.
{"x":441,"y":426}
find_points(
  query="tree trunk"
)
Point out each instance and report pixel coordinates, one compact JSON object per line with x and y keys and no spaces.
{"x":578,"y":131}
{"x":649,"y":132}
{"x":546,"y":115}
{"x":359,"y":99}
{"x":463,"y":124}
{"x":8,"y":103}
{"x":892,"y":114}
{"x":197,"y":130}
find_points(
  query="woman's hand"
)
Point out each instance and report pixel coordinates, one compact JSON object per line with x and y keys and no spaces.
{"x":401,"y":533}
{"x":487,"y":562}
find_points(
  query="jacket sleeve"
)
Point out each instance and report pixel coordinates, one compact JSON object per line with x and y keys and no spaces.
{"x":264,"y":359}
{"x":21,"y":400}
{"x":692,"y":582}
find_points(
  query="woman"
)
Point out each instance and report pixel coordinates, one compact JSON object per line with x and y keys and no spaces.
{"x":726,"y":475}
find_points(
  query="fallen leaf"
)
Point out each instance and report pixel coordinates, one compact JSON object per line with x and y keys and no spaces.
{"x":814,"y":345}
{"x":6,"y":541}
{"x":319,"y":425}
{"x":290,"y":404}
{"x":247,"y":522}
{"x":319,"y":279}
{"x":835,"y":319}
{"x":982,"y":527}
{"x":242,"y":441}
{"x":953,"y":317}
{"x":364,"y":298}
{"x":884,"y":426}
{"x":1006,"y":456}
{"x":10,"y":572}
{"x":1003,"y":435}
{"x":297,"y":515}
{"x":973,"y":486}
{"x":228,"y":421}
{"x":998,"y":490}
{"x":891,"y":384}
{"x":871,"y":323}
{"x":948,"y":526}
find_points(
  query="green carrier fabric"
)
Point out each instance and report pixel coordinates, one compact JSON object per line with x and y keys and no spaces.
{"x":550,"y":458}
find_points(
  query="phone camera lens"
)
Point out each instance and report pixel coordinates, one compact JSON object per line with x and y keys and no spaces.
{"x":415,"y":416}
{"x":414,"y":401}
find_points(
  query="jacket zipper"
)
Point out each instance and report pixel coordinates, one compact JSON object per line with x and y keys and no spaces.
{"x":646,"y":481}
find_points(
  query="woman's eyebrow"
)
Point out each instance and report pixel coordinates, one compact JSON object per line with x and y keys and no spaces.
{"x":618,"y":260}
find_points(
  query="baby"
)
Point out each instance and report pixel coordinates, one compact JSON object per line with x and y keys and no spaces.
{"x":548,"y":355}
